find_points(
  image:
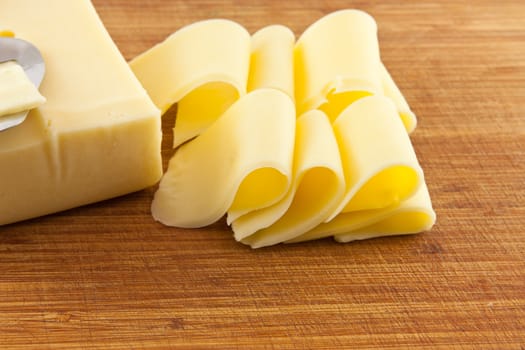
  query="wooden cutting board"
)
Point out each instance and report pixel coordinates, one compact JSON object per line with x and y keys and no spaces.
{"x":106,"y":276}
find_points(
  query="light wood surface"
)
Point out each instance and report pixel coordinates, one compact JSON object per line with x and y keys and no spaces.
{"x":106,"y":276}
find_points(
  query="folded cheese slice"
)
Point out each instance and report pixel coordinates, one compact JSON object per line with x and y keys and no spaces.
{"x":204,"y":61}
{"x":271,"y":66}
{"x":318,"y":186}
{"x":271,"y":63}
{"x":17,"y":92}
{"x":243,"y":162}
{"x":413,"y":215}
{"x":337,"y":62}
{"x":97,"y":136}
{"x":379,"y":162}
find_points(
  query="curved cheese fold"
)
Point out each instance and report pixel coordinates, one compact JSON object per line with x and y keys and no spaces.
{"x":391,"y":91}
{"x":205,"y":61}
{"x":318,"y":186}
{"x":242,"y":162}
{"x":271,"y":64}
{"x":6,"y":33}
{"x":410,"y":216}
{"x":380,"y":165}
{"x":337,"y":60}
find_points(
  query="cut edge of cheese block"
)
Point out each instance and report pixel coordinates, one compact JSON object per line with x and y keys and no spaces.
{"x":379,"y":162}
{"x":207,"y":60}
{"x":317,"y":161}
{"x":413,"y":215}
{"x":17,"y":92}
{"x":271,"y":61}
{"x":242,"y":162}
{"x":337,"y":54}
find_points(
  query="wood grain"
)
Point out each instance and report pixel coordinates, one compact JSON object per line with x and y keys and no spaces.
{"x":106,"y":276}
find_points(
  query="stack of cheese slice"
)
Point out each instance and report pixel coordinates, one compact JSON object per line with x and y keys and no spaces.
{"x":97,"y":136}
{"x":292,"y":140}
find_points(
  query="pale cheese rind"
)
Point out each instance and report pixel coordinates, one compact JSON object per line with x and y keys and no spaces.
{"x":271,"y":62}
{"x":205,"y":61}
{"x":17,"y":92}
{"x":318,"y":186}
{"x":97,"y":136}
{"x":242,"y":162}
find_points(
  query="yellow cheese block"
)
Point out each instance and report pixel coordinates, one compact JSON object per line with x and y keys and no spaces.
{"x":318,"y":186}
{"x":17,"y":92}
{"x":97,"y":136}
{"x":243,"y":162}
{"x":205,"y":61}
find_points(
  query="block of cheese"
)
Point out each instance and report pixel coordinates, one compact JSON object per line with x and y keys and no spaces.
{"x":317,"y":188}
{"x":205,"y":61}
{"x":17,"y":92}
{"x":97,"y":136}
{"x":243,"y":162}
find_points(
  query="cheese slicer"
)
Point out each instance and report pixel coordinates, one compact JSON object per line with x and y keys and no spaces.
{"x":30,"y":59}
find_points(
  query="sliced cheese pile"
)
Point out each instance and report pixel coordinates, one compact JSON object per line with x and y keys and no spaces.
{"x":292,"y":141}
{"x":98,"y":135}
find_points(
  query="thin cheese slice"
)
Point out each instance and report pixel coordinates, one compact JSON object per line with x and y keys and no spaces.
{"x":271,"y":66}
{"x":205,"y":61}
{"x":391,"y":91}
{"x":318,"y":186}
{"x":271,"y":63}
{"x":337,"y":62}
{"x":380,"y":165}
{"x":413,"y":215}
{"x":17,"y":92}
{"x":242,"y":162}
{"x":98,"y":135}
